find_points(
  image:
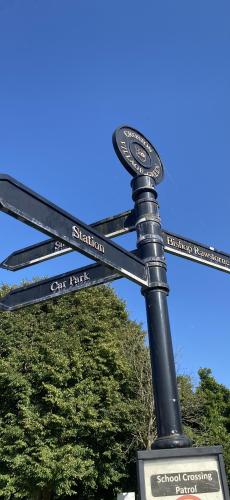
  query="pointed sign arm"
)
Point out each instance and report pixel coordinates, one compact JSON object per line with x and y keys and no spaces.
{"x":97,"y":274}
{"x":113,"y":226}
{"x":195,"y":251}
{"x":48,"y":249}
{"x":24,"y":204}
{"x":57,"y":286}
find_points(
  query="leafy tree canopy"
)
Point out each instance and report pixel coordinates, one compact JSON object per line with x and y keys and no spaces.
{"x":76,"y":399}
{"x":206,"y":412}
{"x":72,"y":397}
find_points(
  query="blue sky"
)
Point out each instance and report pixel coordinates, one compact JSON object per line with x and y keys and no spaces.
{"x":73,"y":71}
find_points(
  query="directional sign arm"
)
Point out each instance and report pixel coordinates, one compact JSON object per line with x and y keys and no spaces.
{"x":20,"y":202}
{"x":121,"y":224}
{"x":197,"y":252}
{"x":56,"y":286}
{"x":48,"y":249}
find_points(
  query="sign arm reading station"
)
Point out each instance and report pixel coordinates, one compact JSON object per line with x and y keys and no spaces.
{"x":97,"y":274}
{"x":48,"y":249}
{"x":22,"y":203}
{"x":174,"y":244}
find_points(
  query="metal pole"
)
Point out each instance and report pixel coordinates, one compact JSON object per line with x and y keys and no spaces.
{"x":151,"y":251}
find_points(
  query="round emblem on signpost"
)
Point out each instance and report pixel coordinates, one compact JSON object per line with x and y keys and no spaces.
{"x":136,"y":153}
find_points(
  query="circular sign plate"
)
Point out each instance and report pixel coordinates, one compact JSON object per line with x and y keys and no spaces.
{"x":136,"y":153}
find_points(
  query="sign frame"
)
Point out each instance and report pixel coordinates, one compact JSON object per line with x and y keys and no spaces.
{"x":207,"y":451}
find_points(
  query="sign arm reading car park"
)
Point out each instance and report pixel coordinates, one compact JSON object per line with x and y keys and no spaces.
{"x":57,"y":286}
{"x":173,"y":469}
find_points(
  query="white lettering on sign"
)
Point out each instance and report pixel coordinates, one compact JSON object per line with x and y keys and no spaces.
{"x":130,"y":159}
{"x":74,"y":280}
{"x":192,"y":489}
{"x":56,"y":286}
{"x":89,"y":240}
{"x":134,"y":135}
{"x":58,"y":246}
{"x":196,"y":251}
{"x":179,"y":244}
{"x":175,"y":478}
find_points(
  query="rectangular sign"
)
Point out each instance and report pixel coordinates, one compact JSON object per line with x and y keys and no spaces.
{"x":181,"y":474}
{"x":48,"y":249}
{"x":20,"y":202}
{"x":56,"y":286}
{"x":189,"y":482}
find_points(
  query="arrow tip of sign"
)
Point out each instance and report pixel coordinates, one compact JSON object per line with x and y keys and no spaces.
{"x":5,"y":264}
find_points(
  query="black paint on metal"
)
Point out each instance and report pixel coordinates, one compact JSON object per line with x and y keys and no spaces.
{"x":151,"y":250}
{"x":57,"y":286}
{"x":48,"y":249}
{"x":192,"y":250}
{"x":117,"y":225}
{"x":175,"y":244}
{"x":136,"y":153}
{"x":24,"y":204}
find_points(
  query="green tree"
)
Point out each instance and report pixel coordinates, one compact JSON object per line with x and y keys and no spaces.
{"x":206,"y":412}
{"x":215,"y":417}
{"x":191,"y":406}
{"x":72,"y":398}
{"x":76,"y":399}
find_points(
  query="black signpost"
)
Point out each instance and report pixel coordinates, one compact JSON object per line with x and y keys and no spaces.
{"x":146,"y":266}
{"x":138,"y":155}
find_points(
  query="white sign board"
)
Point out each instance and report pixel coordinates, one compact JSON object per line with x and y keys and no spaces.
{"x":194,"y":478}
{"x":126,"y":496}
{"x":183,"y":478}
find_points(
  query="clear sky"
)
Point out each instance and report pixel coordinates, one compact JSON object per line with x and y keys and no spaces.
{"x":71,"y":71}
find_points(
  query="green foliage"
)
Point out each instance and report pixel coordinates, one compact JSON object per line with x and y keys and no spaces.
{"x":215,"y":418}
{"x":72,"y":387}
{"x":76,"y":400}
{"x":206,"y":412}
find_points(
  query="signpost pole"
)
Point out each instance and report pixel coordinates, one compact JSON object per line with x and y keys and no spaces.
{"x":151,"y":250}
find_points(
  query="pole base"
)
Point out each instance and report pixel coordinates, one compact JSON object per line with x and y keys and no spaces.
{"x":173,"y":441}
